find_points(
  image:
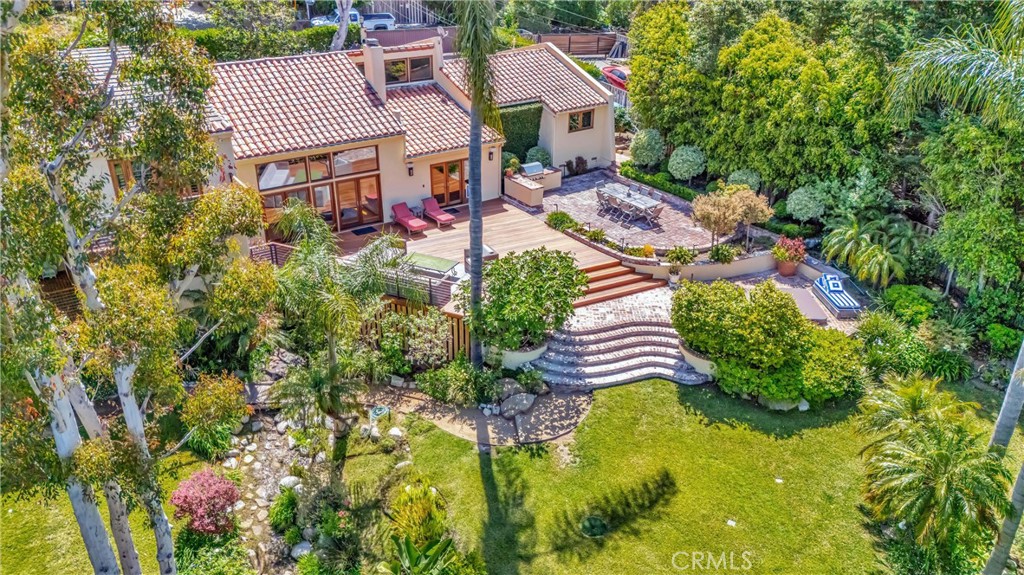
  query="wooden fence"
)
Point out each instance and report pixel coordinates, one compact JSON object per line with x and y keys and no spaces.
{"x":458,"y":331}
{"x":619,"y":96}
{"x":272,"y":252}
{"x":409,"y":35}
{"x":404,"y":11}
{"x":596,"y":44}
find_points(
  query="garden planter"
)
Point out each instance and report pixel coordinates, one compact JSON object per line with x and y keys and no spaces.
{"x":787,"y":269}
{"x":516,"y":359}
{"x":673,"y":279}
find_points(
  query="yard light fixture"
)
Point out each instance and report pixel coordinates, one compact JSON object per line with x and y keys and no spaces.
{"x":409,"y":165}
{"x":490,"y":154}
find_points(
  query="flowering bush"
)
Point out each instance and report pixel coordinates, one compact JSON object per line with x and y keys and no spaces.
{"x":789,"y":250}
{"x":205,"y":498}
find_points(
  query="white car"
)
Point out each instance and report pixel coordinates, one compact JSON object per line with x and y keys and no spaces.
{"x":379,"y":21}
{"x":334,"y":20}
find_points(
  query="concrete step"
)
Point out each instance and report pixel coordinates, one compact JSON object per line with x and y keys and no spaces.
{"x":602,"y":266}
{"x":588,"y":382}
{"x":584,"y":349}
{"x":590,"y":357}
{"x":612,"y":368}
{"x":614,"y":282}
{"x":620,"y":291}
{"x":614,"y":332}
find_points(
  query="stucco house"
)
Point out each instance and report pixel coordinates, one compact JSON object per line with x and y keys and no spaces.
{"x":355,"y":132}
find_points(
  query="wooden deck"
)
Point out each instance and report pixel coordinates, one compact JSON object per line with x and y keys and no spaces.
{"x":506,"y":229}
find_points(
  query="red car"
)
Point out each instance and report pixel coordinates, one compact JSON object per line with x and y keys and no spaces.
{"x":617,"y":76}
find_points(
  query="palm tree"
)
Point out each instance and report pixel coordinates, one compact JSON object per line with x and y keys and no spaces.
{"x":996,"y":564}
{"x":942,"y":481}
{"x":979,"y":70}
{"x":902,"y":403}
{"x":475,"y":42}
{"x":1013,"y":401}
{"x":876,"y":250}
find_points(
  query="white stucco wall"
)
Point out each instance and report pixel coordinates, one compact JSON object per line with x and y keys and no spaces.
{"x":596,"y":145}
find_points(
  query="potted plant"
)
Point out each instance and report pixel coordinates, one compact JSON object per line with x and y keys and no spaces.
{"x":788,"y":254}
{"x":513,"y":167}
{"x":674,"y":271}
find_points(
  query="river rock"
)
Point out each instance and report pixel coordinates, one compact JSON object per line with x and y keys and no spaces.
{"x":517,"y":404}
{"x":395,"y":433}
{"x":257,"y":425}
{"x":251,"y":447}
{"x":777,"y":404}
{"x":231,"y":463}
{"x":248,"y":459}
{"x":289,"y":482}
{"x":303,"y":548}
{"x":803,"y":405}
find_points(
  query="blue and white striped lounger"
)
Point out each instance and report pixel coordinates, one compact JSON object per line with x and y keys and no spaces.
{"x":829,"y":289}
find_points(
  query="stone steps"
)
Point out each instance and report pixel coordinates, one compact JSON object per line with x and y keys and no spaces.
{"x":654,"y":343}
{"x":612,"y":280}
{"x":615,"y":332}
{"x":686,"y":377}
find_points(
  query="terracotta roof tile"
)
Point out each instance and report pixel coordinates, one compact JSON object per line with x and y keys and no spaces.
{"x":433,"y":122}
{"x":532,"y":74}
{"x":298,"y":102}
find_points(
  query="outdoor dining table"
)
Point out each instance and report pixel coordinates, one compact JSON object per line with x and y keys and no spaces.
{"x":632,"y":198}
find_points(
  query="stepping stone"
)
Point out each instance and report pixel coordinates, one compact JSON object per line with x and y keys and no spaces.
{"x":262,"y":515}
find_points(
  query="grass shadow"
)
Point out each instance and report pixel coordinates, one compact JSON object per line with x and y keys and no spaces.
{"x":509,"y":534}
{"x":581,"y":532}
{"x":718,"y":408}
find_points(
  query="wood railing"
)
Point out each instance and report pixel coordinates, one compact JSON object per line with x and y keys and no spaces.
{"x":458,"y":332}
{"x":272,"y":252}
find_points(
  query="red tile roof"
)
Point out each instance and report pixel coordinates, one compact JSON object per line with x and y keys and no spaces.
{"x":533,"y":74}
{"x":408,"y":47}
{"x":298,"y":102}
{"x":433,"y":122}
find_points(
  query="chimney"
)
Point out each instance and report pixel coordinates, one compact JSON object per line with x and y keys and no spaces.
{"x":373,"y":67}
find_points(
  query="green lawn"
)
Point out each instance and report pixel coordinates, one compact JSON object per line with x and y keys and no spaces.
{"x":667,"y":468}
{"x":41,"y":537}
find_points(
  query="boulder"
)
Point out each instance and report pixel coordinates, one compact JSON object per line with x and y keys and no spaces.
{"x":487,"y":411}
{"x":517,"y":404}
{"x":374,"y":433}
{"x":237,"y":429}
{"x":364,"y":431}
{"x":257,"y":425}
{"x":245,"y":419}
{"x":231,"y":463}
{"x":403,"y":464}
{"x":232,"y":453}
{"x":289,"y":482}
{"x":777,"y":404}
{"x":303,"y":548}
{"x":544,"y":389}
{"x":395,"y":433}
{"x":509,"y":387}
{"x":803,"y":405}
{"x":308,"y":533}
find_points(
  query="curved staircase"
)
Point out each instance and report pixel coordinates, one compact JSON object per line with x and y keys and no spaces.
{"x":616,"y":354}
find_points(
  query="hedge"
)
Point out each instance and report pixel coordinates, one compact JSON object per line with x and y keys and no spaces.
{"x":661,"y":180}
{"x":589,"y":68}
{"x":521,"y":125}
{"x":224,"y":45}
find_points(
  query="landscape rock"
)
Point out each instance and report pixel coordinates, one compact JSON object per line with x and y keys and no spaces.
{"x":544,"y":389}
{"x":251,"y":447}
{"x":803,"y":405}
{"x":282,"y":426}
{"x":231,"y":463}
{"x":289,"y":482}
{"x":374,"y":433}
{"x":364,"y":431}
{"x":517,"y":404}
{"x":237,"y":429}
{"x":262,"y":503}
{"x":303,"y":548}
{"x":777,"y":404}
{"x":320,"y":457}
{"x":245,"y":419}
{"x":403,"y":464}
{"x":256,"y":426}
{"x":257,"y":530}
{"x":291,"y":442}
{"x":395,"y":433}
{"x":262,"y":515}
{"x":239,"y":505}
{"x":232,"y":453}
{"x":308,"y":533}
{"x":509,"y":387}
{"x":248,"y":459}
{"x":261,"y":492}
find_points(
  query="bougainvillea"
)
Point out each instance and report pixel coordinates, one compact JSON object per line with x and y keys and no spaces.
{"x":205,"y":499}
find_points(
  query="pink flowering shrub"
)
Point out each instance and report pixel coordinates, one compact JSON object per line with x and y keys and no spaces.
{"x":789,"y":250}
{"x":205,"y":498}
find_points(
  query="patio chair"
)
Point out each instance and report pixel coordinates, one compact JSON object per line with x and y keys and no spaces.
{"x":602,"y":201}
{"x":656,"y":195}
{"x":404,"y":217}
{"x":635,"y":188}
{"x":616,"y":207}
{"x":653,"y":215}
{"x":433,"y":211}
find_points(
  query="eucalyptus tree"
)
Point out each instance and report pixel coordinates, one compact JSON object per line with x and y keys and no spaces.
{"x":475,"y":42}
{"x":145,"y":105}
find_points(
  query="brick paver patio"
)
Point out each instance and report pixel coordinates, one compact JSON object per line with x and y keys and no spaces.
{"x":578,"y":198}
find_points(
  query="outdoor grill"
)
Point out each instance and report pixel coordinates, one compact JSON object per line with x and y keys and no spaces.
{"x":532,"y":169}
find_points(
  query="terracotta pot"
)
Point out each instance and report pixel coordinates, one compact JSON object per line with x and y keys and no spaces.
{"x":787,"y":269}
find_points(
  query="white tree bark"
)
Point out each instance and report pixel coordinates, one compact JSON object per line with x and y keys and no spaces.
{"x":1013,"y":401}
{"x":997,"y":561}
{"x":338,"y":42}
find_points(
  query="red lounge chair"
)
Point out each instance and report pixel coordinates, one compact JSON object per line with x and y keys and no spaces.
{"x":434,"y":212}
{"x":403,"y":215}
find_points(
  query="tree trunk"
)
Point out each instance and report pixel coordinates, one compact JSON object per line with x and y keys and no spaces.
{"x":83,"y":501}
{"x":118,"y":511}
{"x":949,"y":281}
{"x":135,"y":423}
{"x":997,"y":561}
{"x":338,"y":42}
{"x":981,"y":280}
{"x":1009,"y":413}
{"x":476,"y":229}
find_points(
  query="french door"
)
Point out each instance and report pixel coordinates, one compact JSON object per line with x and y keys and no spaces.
{"x":357,"y":201}
{"x":448,"y":182}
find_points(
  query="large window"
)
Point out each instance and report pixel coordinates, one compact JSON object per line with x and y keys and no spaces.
{"x":282,"y":173}
{"x":408,"y":70}
{"x":355,"y":161}
{"x":581,"y":120}
{"x":319,"y":167}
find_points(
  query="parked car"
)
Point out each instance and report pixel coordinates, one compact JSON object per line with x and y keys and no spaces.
{"x":379,"y":21}
{"x":617,"y":76}
{"x":333,"y":19}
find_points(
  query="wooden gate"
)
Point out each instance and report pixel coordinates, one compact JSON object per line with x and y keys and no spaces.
{"x":458,"y":331}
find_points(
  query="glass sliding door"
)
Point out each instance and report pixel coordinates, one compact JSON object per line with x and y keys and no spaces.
{"x":369,"y":197}
{"x":323,"y":204}
{"x":448,"y":182}
{"x":357,"y":201}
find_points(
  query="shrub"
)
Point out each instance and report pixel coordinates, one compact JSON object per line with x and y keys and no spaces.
{"x":910,"y":303}
{"x":526,"y":297}
{"x":680,"y":255}
{"x":588,"y":67}
{"x":458,"y":383}
{"x":647,"y":148}
{"x":789,"y":250}
{"x":662,"y":181}
{"x":538,"y":154}
{"x":205,"y":498}
{"x":427,"y":342}
{"x":596,"y":235}
{"x":723,"y":253}
{"x":293,"y":535}
{"x":749,"y":178}
{"x":199,"y":554}
{"x":530,"y":379}
{"x":211,"y":411}
{"x":1002,"y":340}
{"x":418,"y":513}
{"x":310,"y":564}
{"x":521,"y":127}
{"x":1003,"y":305}
{"x":949,"y":365}
{"x":561,"y":221}
{"x":712,"y":186}
{"x":833,"y":366}
{"x":805,"y":203}
{"x":623,"y":121}
{"x":781,"y":209}
{"x":686,"y":162}
{"x":890,"y":346}
{"x":506,"y":159}
{"x":282,"y":512}
{"x":648,"y":251}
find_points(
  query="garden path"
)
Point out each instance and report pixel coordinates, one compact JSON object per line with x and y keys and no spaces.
{"x":552,"y":416}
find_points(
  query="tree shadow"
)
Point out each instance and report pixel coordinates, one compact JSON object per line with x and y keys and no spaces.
{"x":581,"y":532}
{"x":715,"y":407}
{"x":509,"y":534}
